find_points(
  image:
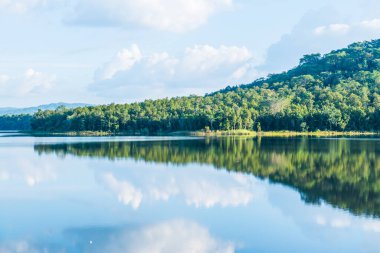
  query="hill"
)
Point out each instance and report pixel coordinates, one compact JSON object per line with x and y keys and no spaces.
{"x":32,"y":110}
{"x":337,"y":91}
{"x":20,"y":118}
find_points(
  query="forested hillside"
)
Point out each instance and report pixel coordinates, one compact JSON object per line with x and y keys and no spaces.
{"x":336,"y":91}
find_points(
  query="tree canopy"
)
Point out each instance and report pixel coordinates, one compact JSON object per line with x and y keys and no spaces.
{"x":15,"y":122}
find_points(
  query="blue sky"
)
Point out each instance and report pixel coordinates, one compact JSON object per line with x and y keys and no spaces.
{"x":97,"y":51}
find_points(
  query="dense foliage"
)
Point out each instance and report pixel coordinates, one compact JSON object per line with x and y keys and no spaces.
{"x":337,"y":91}
{"x":15,"y":122}
{"x":344,"y":173}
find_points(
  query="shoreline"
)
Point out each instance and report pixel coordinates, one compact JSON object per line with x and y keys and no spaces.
{"x":231,"y":133}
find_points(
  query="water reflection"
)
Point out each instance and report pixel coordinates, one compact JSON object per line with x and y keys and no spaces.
{"x":341,"y":172}
{"x":200,"y":187}
{"x":171,"y":236}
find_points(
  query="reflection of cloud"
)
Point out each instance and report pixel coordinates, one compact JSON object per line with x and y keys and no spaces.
{"x":372,"y":226}
{"x":340,"y":223}
{"x":4,"y":175}
{"x":200,"y":189}
{"x":320,"y":220}
{"x":127,"y":193}
{"x":18,"y":247}
{"x":165,"y":191}
{"x":30,"y":171}
{"x":169,"y":237}
{"x":336,"y":222}
{"x":208,"y":194}
{"x":36,"y":173}
{"x":173,"y":236}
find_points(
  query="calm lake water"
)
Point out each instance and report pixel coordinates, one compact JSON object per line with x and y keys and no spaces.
{"x":191,"y":195}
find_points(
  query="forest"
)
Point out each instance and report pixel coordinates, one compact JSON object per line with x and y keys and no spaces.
{"x":338,"y":91}
{"x":15,"y":122}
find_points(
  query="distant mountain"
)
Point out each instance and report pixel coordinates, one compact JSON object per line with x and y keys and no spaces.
{"x":32,"y":110}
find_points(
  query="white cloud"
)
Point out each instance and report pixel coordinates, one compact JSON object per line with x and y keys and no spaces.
{"x":201,"y":68}
{"x":22,"y":6}
{"x":31,"y":82}
{"x":167,"y":15}
{"x":318,"y":32}
{"x":36,"y":82}
{"x":333,"y":29}
{"x":126,"y":192}
{"x":205,"y":58}
{"x":4,"y":79}
{"x":169,"y":237}
{"x":123,"y":61}
{"x":367,"y":26}
{"x":371,"y":24}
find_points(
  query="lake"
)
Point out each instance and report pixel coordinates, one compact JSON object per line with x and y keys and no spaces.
{"x":191,"y":195}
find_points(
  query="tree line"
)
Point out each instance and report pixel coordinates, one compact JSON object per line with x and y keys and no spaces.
{"x":15,"y":122}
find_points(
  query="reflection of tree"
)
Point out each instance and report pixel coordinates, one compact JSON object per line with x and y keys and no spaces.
{"x":344,"y":173}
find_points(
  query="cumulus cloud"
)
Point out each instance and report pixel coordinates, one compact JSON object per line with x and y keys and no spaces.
{"x":332,"y":28}
{"x":36,"y":82}
{"x":168,"y":237}
{"x":366,"y":26}
{"x":372,"y":24}
{"x":4,"y":79}
{"x":318,"y":32}
{"x":31,"y":82}
{"x":123,"y":61}
{"x":201,"y":68}
{"x":167,"y":15}
{"x":22,"y":6}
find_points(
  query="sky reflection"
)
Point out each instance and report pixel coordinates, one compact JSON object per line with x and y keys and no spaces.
{"x":53,"y":203}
